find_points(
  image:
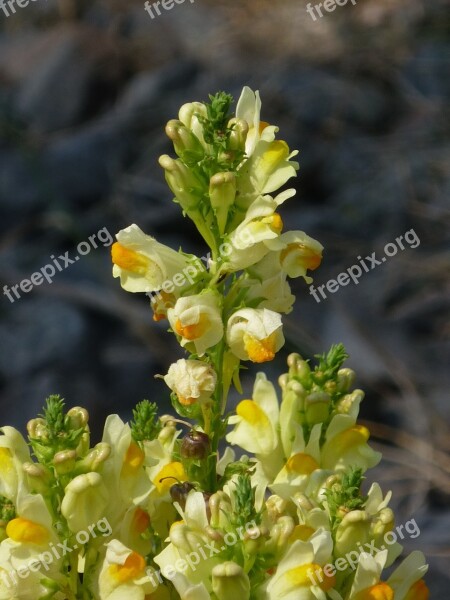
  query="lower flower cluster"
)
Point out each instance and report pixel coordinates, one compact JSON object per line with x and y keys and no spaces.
{"x":136,"y":516}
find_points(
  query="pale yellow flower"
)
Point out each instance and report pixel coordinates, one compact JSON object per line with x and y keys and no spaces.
{"x":198,"y":321}
{"x":142,"y":263}
{"x":255,"y":334}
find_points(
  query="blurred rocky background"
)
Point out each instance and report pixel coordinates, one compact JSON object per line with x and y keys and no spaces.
{"x":85,"y":90}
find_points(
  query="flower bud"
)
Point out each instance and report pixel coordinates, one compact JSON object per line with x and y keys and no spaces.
{"x":220,"y":507}
{"x":37,"y":429}
{"x":78,"y":416}
{"x":64,"y":461}
{"x":186,"y":144}
{"x":299,"y":368}
{"x":303,"y":502}
{"x":276,"y":507}
{"x":345,"y":379}
{"x":283,"y":380}
{"x":39,"y":477}
{"x":317,"y":406}
{"x":229,"y":582}
{"x":238,"y":134}
{"x":95,"y":459}
{"x":182,"y":182}
{"x":222,"y":193}
{"x":195,"y":445}
{"x":85,"y":500}
{"x":354,"y":528}
{"x":280,"y":533}
{"x":188,"y":114}
{"x":349,"y":404}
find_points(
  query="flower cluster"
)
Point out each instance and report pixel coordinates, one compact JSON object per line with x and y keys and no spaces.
{"x":187,"y":516}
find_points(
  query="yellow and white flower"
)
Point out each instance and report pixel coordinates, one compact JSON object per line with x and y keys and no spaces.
{"x":188,"y":539}
{"x":191,"y":380}
{"x":265,"y":172}
{"x":142,"y":263}
{"x":296,"y":253}
{"x":274,"y":293}
{"x":85,"y":500}
{"x":302,"y":471}
{"x":346,"y":445}
{"x":123,"y":472}
{"x":300,"y":573}
{"x":14,"y":453}
{"x":198,"y":321}
{"x":25,"y":555}
{"x":247,"y":242}
{"x":248,"y":109}
{"x":256,"y":420}
{"x":255,"y":334}
{"x":124,"y":574}
{"x":405,"y":583}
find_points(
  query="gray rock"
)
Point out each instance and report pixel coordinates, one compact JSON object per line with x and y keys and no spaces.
{"x":37,"y":333}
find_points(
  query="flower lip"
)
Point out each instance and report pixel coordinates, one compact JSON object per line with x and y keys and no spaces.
{"x":129,"y":260}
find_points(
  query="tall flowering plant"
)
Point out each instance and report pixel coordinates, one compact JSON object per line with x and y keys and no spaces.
{"x":162,"y":508}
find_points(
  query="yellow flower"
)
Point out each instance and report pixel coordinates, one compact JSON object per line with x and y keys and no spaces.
{"x":255,"y":334}
{"x":297,"y":253}
{"x":124,"y":574}
{"x":197,"y":320}
{"x":346,"y":445}
{"x":142,"y":263}
{"x":266,"y":171}
{"x":27,"y":532}
{"x":85,"y":500}
{"x":248,"y":109}
{"x":301,"y":570}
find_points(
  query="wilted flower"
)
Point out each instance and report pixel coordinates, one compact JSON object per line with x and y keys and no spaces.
{"x":191,"y":380}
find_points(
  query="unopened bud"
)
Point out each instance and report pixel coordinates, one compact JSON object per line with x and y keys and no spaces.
{"x":64,"y":461}
{"x":317,"y":407}
{"x":37,"y":429}
{"x":345,"y":379}
{"x":222,"y":193}
{"x":349,"y":403}
{"x":39,"y":477}
{"x":238,"y":134}
{"x":229,"y":582}
{"x":220,"y":507}
{"x":79,"y":417}
{"x":94,"y":460}
{"x":276,"y":507}
{"x":182,"y":182}
{"x":186,"y":144}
